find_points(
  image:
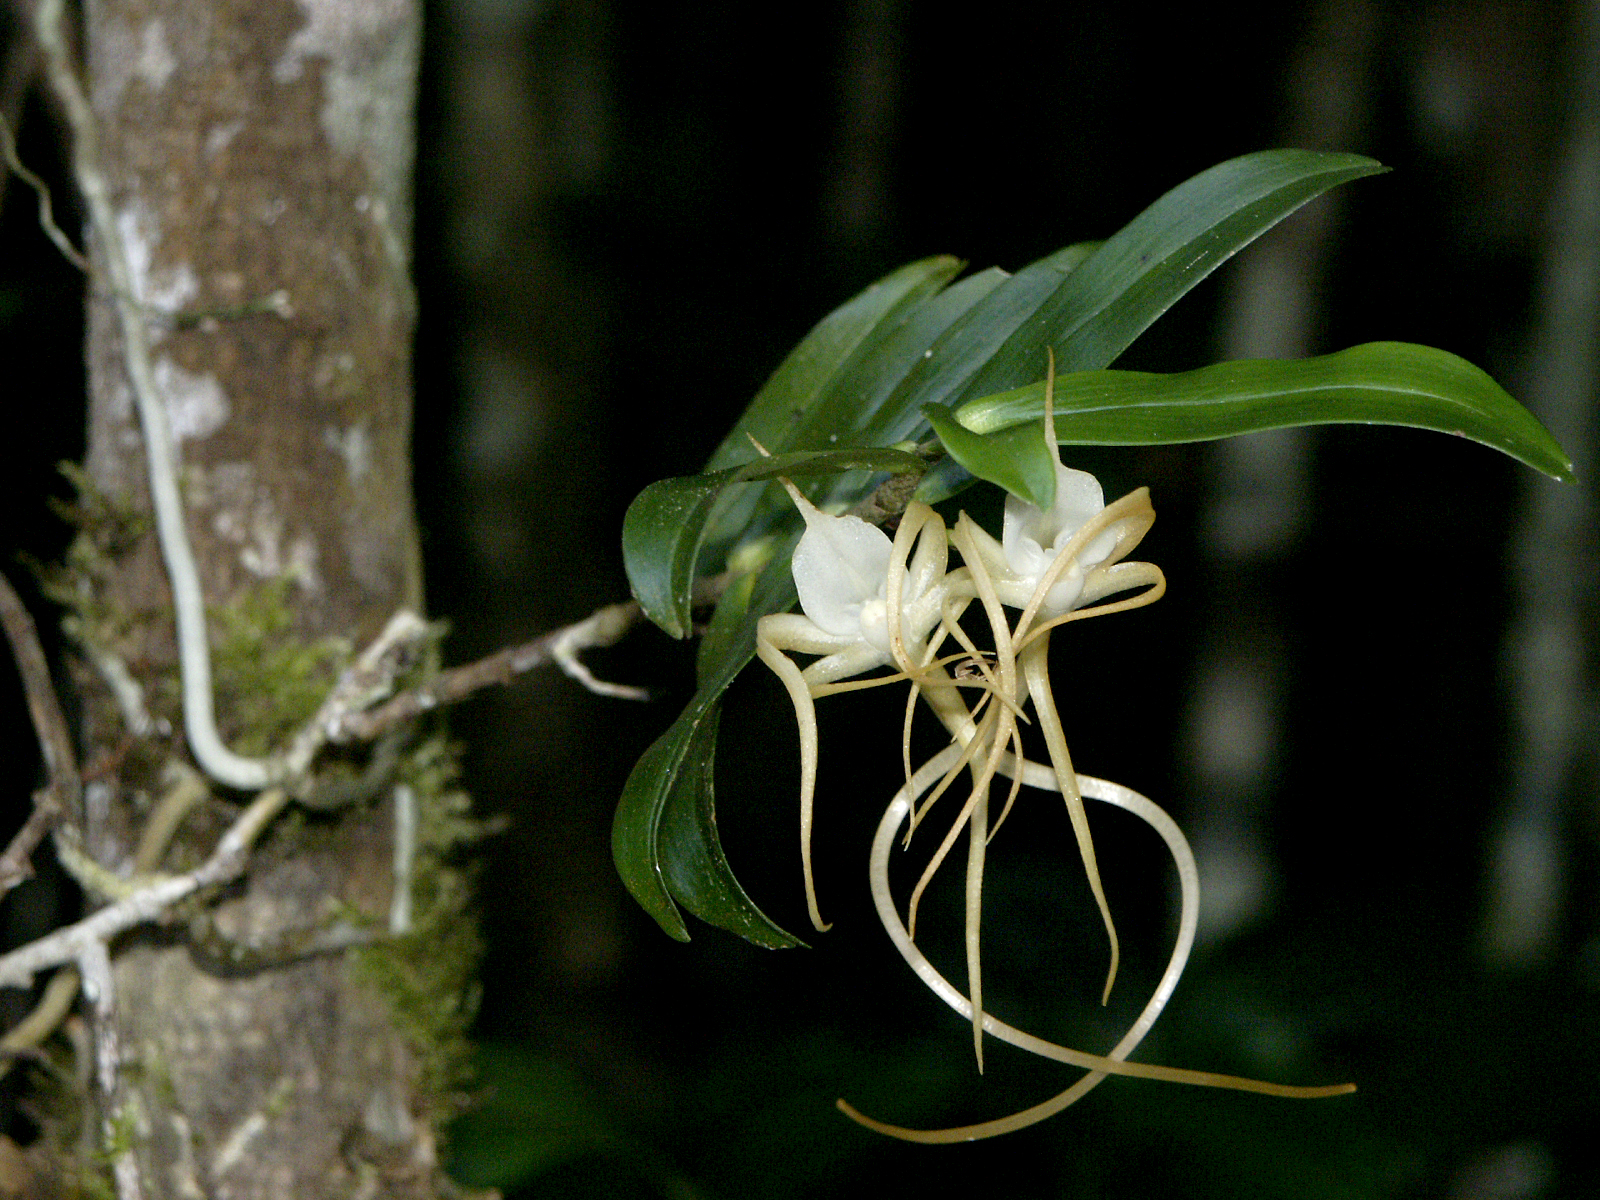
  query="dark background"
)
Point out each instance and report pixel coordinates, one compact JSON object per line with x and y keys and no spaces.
{"x":1371,"y":681}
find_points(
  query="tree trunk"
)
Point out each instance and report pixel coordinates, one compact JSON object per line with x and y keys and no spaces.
{"x":259,"y":157}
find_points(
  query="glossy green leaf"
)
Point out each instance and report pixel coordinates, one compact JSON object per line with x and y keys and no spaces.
{"x":783,"y":402}
{"x":1137,"y":274}
{"x":962,"y":350}
{"x":1383,"y":383}
{"x":665,"y":525}
{"x":855,"y":412}
{"x":636,"y":825}
{"x":784,"y":414}
{"x":725,"y":631}
{"x":1018,"y":458}
{"x":694,"y":867}
{"x":675,"y":774}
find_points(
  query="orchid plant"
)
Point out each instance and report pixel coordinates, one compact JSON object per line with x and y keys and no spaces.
{"x":923,"y":385}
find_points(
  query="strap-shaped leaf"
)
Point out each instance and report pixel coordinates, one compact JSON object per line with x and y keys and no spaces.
{"x":781,"y":405}
{"x":674,"y":775}
{"x":694,"y":867}
{"x":665,"y":525}
{"x":972,"y":340}
{"x":1381,"y":383}
{"x":1153,"y":261}
{"x":854,"y":411}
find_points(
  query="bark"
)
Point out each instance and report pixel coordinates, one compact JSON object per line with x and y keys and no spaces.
{"x":255,"y":148}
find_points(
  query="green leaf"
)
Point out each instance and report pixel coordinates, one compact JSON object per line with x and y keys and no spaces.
{"x":694,"y":867}
{"x":1018,"y":458}
{"x":854,"y":410}
{"x":1153,"y":261}
{"x":637,"y":822}
{"x":1383,"y":383}
{"x":661,"y":544}
{"x":783,"y":416}
{"x":970,"y":341}
{"x":676,"y":772}
{"x":665,"y":525}
{"x":794,"y":387}
{"x":726,"y":629}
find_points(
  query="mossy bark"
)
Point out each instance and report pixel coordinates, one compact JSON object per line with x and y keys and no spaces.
{"x":259,"y":155}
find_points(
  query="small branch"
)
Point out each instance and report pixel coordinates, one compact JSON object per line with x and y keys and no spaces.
{"x":99,"y":988}
{"x":94,"y":966}
{"x":55,"y":743}
{"x":47,"y":220}
{"x":61,"y":793}
{"x":70,"y":943}
{"x":365,"y":683}
{"x":405,"y":852}
{"x":16,"y":864}
{"x":605,"y":627}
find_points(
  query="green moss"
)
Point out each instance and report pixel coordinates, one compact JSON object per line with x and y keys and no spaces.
{"x":107,"y":529}
{"x":269,"y":682}
{"x":428,"y":977}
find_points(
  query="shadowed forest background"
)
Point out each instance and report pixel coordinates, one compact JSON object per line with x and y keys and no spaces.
{"x":1368,"y":696}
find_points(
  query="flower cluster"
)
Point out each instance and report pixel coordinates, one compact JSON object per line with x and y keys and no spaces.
{"x":870,"y":603}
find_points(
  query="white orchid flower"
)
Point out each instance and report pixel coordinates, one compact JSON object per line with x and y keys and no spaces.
{"x":1031,"y":540}
{"x":845,"y":571}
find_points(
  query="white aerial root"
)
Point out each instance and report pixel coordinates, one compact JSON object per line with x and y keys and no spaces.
{"x":1099,"y":1066}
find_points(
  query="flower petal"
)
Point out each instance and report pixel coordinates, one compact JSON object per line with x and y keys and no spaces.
{"x":840,"y":563}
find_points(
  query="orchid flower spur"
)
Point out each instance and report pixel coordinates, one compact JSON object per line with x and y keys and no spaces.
{"x":1053,"y":565}
{"x":1099,"y":1066}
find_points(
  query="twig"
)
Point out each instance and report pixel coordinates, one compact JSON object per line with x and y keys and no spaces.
{"x":47,"y":220}
{"x":369,"y":680}
{"x":68,"y":944}
{"x":99,"y":988}
{"x":16,"y":864}
{"x":60,"y":794}
{"x":55,"y":743}
{"x":605,"y":627}
{"x":405,"y":852}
